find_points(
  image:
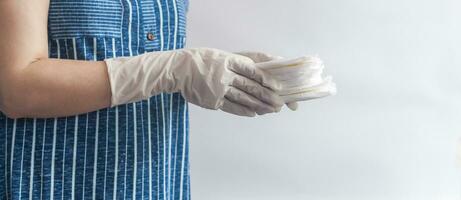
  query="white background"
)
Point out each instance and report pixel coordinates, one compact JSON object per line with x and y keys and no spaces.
{"x":390,"y":133}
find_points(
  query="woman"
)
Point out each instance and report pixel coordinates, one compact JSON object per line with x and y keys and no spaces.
{"x":93,"y":97}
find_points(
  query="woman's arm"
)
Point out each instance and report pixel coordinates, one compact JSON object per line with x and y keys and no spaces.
{"x":31,"y":84}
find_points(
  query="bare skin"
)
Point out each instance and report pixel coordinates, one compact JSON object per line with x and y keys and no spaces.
{"x":33,"y":85}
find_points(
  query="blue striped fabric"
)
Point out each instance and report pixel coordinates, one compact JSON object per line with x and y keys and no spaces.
{"x":134,"y":151}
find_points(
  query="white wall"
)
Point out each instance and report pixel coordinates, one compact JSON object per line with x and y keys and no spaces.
{"x":391,"y":131}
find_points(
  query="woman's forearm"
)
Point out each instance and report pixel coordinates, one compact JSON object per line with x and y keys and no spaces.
{"x":31,"y":84}
{"x":56,"y":88}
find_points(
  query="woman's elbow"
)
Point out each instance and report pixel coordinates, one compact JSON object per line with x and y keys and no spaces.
{"x":10,"y":109}
{"x":12,"y":104}
{"x":16,"y":94}
{"x":11,"y":113}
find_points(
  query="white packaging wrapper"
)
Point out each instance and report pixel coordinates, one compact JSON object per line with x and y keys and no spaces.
{"x":301,"y":78}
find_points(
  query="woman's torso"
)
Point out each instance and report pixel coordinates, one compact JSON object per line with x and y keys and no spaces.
{"x":133,"y":151}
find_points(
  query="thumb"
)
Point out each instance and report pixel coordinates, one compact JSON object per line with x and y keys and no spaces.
{"x":293,"y":106}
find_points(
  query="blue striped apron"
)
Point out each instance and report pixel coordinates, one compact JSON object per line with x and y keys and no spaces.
{"x":133,"y":151}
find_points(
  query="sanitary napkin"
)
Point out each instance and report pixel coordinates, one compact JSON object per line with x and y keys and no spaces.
{"x":301,"y":78}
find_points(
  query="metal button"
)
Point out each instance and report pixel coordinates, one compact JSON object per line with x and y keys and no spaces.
{"x":150,"y":36}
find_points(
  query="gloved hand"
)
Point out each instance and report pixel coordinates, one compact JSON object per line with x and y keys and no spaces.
{"x":209,"y":78}
{"x":259,"y":57}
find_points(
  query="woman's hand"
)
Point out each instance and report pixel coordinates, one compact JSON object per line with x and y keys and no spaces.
{"x":206,"y":77}
{"x":259,"y":57}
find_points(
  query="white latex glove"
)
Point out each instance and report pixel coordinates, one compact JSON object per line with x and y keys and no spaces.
{"x":209,"y":78}
{"x":259,"y":57}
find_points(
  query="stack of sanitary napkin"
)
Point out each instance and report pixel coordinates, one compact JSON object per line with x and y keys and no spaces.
{"x":301,"y":78}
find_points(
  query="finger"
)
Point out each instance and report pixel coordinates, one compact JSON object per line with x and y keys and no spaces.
{"x":236,"y":109}
{"x":250,"y":71}
{"x":258,"y":91}
{"x":293,"y":106}
{"x":240,"y":97}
